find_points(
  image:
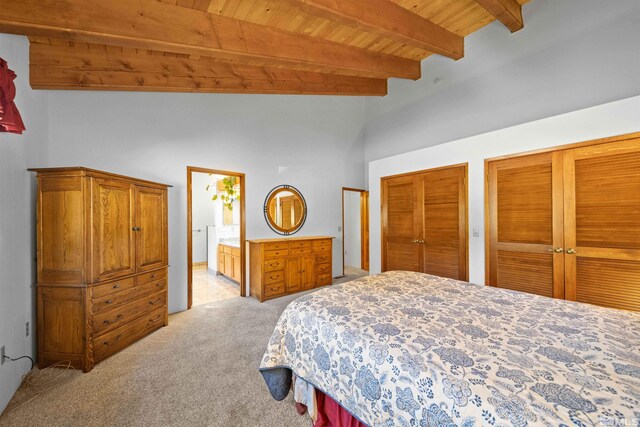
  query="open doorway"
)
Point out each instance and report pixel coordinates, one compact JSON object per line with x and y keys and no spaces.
{"x":215,"y":235}
{"x":355,"y":232}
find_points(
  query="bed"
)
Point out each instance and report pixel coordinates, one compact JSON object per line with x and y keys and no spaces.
{"x":411,"y":349}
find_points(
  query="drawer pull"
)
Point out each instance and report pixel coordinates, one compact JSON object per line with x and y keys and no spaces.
{"x":153,"y":276}
{"x":108,"y":301}
{"x":116,"y":286}
{"x":115,"y":339}
{"x":154,"y":320}
{"x":107,"y":321}
{"x":155,"y":302}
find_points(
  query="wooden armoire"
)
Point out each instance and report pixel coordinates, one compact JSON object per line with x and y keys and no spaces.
{"x":424,"y":222}
{"x":565,"y":223}
{"x":102,"y":261}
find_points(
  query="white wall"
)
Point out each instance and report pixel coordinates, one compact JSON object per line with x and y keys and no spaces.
{"x":611,"y":119}
{"x":203,"y":214}
{"x":352,"y":230}
{"x":571,"y":54}
{"x":17,"y":218}
{"x":312,"y":143}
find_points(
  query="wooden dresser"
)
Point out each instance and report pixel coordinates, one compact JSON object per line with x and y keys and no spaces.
{"x":289,"y":265}
{"x":102,"y":263}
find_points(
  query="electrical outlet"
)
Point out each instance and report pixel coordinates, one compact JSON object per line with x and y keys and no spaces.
{"x":27,"y":329}
{"x":2,"y":355}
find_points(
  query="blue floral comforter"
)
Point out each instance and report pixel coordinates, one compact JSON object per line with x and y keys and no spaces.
{"x":410,"y":349}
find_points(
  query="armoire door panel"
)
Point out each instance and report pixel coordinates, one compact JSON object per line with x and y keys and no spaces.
{"x":602,"y":224}
{"x":445,"y":222}
{"x":61,"y":209}
{"x":402,"y":224}
{"x":112,"y":222}
{"x":151,"y":241}
{"x":524,"y":216}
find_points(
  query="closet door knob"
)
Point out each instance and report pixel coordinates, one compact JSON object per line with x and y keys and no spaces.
{"x":571,"y":251}
{"x":557,"y":250}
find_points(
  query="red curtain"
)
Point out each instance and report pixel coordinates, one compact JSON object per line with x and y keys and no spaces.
{"x":10,"y":120}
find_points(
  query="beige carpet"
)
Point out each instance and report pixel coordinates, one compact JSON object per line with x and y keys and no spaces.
{"x":201,"y":370}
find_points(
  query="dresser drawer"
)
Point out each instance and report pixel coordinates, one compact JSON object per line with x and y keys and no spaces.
{"x":300,"y":251}
{"x":276,"y":254}
{"x":122,"y":285}
{"x":275,"y":246}
{"x":323,"y":258}
{"x":273,"y":289}
{"x":324,"y":279}
{"x":127,"y":334}
{"x":274,"y":265}
{"x":110,"y":320}
{"x":151,"y":276}
{"x":113,"y":301}
{"x":323,"y":269}
{"x":322,"y":245}
{"x":273,"y":277}
{"x":296,"y":244}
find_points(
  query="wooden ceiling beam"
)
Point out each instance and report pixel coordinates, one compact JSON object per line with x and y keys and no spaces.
{"x":155,"y":25}
{"x":509,"y":12}
{"x":385,"y":18}
{"x":82,"y":68}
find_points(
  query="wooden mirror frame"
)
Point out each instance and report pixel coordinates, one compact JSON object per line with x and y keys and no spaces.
{"x":271,"y":221}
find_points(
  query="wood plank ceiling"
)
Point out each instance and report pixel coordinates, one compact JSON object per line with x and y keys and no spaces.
{"x":324,"y":47}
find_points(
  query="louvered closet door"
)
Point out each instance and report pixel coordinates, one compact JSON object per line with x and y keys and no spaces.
{"x":602,"y":224}
{"x":525,"y":224}
{"x":445,"y":222}
{"x":401,"y":224}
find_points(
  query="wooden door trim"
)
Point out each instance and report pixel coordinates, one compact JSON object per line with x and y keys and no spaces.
{"x":364,"y":252}
{"x":243,"y":250}
{"x":420,"y":172}
{"x":465,"y":196}
{"x":570,"y":146}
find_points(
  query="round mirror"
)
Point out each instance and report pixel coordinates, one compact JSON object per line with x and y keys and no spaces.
{"x":285,"y":210}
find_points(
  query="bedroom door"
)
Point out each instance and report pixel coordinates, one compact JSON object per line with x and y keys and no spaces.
{"x":524,"y":219}
{"x":602,"y":224}
{"x":402,"y":201}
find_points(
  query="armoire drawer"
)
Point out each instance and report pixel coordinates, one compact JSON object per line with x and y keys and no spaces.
{"x":98,"y":291}
{"x":113,"y":301}
{"x":110,"y":320}
{"x":127,"y":334}
{"x":151,"y":276}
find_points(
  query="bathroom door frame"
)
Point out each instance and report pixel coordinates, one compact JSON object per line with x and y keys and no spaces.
{"x":364,"y":227}
{"x":243,"y":279}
